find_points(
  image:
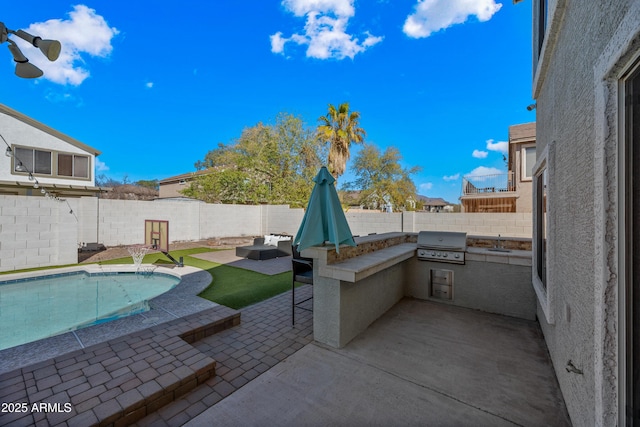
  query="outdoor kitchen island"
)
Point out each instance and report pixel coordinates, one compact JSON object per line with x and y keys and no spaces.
{"x":354,"y":287}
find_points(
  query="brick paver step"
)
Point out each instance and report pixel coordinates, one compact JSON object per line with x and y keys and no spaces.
{"x":117,"y":382}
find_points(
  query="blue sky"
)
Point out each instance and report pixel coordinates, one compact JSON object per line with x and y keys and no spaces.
{"x":156,"y":87}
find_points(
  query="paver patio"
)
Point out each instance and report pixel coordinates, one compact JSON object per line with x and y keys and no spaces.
{"x":422,"y":362}
{"x":168,"y":373}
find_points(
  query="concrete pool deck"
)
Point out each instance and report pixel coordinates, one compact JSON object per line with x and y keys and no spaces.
{"x":422,"y":363}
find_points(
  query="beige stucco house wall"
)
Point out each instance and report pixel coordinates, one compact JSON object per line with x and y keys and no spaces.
{"x":584,"y":53}
{"x":522,"y":149}
{"x":173,"y":186}
{"x":513,"y":190}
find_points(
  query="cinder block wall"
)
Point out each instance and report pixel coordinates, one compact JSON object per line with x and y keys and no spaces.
{"x":363,"y":223}
{"x":121,"y":222}
{"x":281,"y":219}
{"x":484,"y":224}
{"x":36,"y":232}
{"x":227,"y":220}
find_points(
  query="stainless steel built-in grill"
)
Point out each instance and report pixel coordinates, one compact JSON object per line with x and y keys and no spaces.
{"x":442,"y":246}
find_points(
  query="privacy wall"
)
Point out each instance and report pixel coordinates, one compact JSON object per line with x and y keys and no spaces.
{"x":36,"y":231}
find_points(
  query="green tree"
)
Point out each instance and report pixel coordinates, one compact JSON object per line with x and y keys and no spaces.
{"x":382,"y":180}
{"x":340,"y":128}
{"x":266,"y":164}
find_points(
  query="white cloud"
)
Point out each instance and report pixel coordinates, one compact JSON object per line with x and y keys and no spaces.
{"x":431,"y":16}
{"x":425,"y":187}
{"x":483,"y":170}
{"x":303,"y":7}
{"x":84,"y":34}
{"x":500,"y":146}
{"x":325,"y":31}
{"x":57,"y":97}
{"x":148,"y":85}
{"x":480,"y":154}
{"x":277,"y":42}
{"x":101,"y":166}
{"x":451,"y":177}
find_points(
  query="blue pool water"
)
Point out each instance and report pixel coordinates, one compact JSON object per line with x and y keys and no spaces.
{"x":32,"y":309}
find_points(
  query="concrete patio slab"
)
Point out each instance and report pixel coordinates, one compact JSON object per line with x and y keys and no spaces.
{"x":318,"y":386}
{"x":422,"y":363}
{"x":228,"y":257}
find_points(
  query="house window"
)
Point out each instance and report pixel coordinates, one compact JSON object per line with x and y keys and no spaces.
{"x":542,"y":22}
{"x":528,"y":161}
{"x":631,"y":247}
{"x":73,"y":165}
{"x":541,"y":226}
{"x":34,"y":161}
{"x":42,"y":162}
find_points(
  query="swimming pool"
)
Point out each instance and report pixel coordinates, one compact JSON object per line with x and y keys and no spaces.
{"x":39,"y":307}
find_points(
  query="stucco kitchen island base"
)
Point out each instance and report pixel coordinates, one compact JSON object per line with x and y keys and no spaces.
{"x":354,"y":287}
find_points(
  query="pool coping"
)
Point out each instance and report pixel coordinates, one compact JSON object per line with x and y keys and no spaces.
{"x":178,"y":302}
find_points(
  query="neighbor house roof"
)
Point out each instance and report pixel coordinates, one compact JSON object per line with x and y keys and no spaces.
{"x":44,"y":128}
{"x":431,"y":201}
{"x":522,"y":133}
{"x":184,"y":176}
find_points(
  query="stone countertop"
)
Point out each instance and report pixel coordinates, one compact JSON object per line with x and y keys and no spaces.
{"x":365,"y":245}
{"x":360,"y":267}
{"x":379,"y":251}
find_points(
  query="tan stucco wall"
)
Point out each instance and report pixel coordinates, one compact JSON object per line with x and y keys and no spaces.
{"x":171,"y":190}
{"x":523,"y":184}
{"x":576,"y":116}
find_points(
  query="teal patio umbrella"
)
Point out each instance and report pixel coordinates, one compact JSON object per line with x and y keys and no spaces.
{"x":324,"y":220}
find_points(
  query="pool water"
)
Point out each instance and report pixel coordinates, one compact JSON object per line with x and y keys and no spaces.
{"x":32,"y":309}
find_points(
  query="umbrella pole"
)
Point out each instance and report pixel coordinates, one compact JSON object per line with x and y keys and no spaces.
{"x":293,"y":299}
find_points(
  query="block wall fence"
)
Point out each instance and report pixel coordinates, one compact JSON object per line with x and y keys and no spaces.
{"x":39,"y":232}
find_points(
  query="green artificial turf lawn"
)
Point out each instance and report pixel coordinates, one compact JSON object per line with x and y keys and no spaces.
{"x":231,"y":286}
{"x":159,"y":258}
{"x":237,"y":288}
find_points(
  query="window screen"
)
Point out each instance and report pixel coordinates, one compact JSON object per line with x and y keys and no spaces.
{"x":24,"y":157}
{"x":34,"y":161}
{"x":81,"y":167}
{"x":65,"y":164}
{"x":42,"y":162}
{"x":529,"y":161}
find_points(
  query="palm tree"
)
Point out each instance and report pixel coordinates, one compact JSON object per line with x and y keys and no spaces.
{"x":340,"y":128}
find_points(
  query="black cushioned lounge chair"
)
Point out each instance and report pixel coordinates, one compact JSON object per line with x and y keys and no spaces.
{"x":260,"y":251}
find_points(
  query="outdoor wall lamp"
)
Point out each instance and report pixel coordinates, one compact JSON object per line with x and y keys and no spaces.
{"x":25,"y":69}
